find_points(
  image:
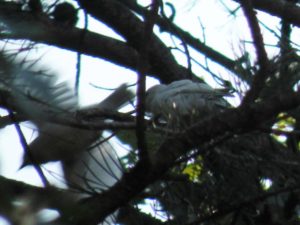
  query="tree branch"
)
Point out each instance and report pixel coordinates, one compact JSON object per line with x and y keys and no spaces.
{"x":242,"y":119}
{"x":282,"y":9}
{"x":168,"y":26}
{"x":262,"y":58}
{"x":129,"y":26}
{"x":50,"y":33}
{"x":141,"y":82}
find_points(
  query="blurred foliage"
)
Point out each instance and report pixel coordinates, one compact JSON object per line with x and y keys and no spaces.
{"x":193,"y":171}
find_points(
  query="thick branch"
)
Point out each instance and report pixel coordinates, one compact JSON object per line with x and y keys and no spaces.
{"x":129,"y":26}
{"x":43,"y":30}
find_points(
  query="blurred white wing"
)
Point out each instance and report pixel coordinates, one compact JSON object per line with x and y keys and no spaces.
{"x":94,"y":170}
{"x":57,"y":142}
{"x":40,"y":96}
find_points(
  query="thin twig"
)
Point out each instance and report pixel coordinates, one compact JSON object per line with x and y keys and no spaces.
{"x":27,"y":150}
{"x":262,"y":58}
{"x":78,"y":65}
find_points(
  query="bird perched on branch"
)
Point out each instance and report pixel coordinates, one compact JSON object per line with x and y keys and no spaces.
{"x":184,"y":101}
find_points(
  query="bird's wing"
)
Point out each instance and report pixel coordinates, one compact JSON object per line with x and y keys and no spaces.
{"x":60,"y":142}
{"x":94,"y":170}
{"x":57,"y":142}
{"x":40,"y":96}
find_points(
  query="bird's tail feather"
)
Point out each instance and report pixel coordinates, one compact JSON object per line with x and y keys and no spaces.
{"x":117,"y":99}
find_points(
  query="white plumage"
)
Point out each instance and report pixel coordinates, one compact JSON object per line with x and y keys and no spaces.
{"x":60,"y":142}
{"x":86,"y":170}
{"x":94,"y":170}
{"x":184,"y":100}
{"x":40,"y":98}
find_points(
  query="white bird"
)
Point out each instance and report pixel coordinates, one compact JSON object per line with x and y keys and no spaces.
{"x":184,"y":101}
{"x":61,"y":142}
{"x":86,"y":171}
{"x":40,"y":97}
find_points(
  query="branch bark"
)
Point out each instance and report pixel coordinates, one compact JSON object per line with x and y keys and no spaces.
{"x":43,"y":30}
{"x":129,"y":26}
